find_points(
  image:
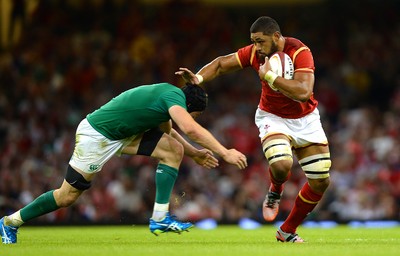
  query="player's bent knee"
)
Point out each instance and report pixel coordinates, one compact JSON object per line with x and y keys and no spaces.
{"x":277,"y":150}
{"x":316,"y":166}
{"x":76,"y":179}
{"x":169,"y":151}
{"x":176,"y":151}
{"x":319,"y":185}
{"x":281,"y":167}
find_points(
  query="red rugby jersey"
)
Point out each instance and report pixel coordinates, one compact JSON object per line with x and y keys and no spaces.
{"x":275,"y":102}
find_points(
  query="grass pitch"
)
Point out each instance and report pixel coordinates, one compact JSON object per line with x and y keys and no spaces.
{"x":222,"y":241}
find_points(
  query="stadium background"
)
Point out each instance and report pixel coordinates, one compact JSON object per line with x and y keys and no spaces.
{"x":60,"y":60}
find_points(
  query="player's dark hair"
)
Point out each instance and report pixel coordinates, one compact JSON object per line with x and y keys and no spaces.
{"x":196,"y":98}
{"x":266,"y":25}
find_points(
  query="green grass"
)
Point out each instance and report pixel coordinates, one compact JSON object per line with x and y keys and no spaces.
{"x":224,"y":240}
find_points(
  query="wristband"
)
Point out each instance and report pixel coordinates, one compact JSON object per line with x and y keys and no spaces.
{"x":270,"y":77}
{"x":200,"y":78}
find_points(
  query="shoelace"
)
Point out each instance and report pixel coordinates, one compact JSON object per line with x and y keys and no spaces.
{"x":272,"y":197}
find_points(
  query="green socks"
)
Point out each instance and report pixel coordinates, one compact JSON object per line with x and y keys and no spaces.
{"x":165,"y":181}
{"x":45,"y":203}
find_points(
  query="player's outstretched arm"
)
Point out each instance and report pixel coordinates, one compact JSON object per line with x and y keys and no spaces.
{"x":205,"y":158}
{"x":201,"y":136}
{"x":219,"y":66}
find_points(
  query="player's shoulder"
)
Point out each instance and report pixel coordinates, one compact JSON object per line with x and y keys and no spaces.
{"x":293,"y":42}
{"x":294,"y":46}
{"x":246,"y":55}
{"x":169,"y":91}
{"x":162,"y":85}
{"x":246,"y":50}
{"x":165,"y":87}
{"x":247,"y":47}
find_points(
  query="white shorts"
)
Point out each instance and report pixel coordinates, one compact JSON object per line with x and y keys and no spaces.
{"x":93,"y":150}
{"x":301,"y":131}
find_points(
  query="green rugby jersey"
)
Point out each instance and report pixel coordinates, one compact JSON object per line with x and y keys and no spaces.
{"x":136,"y":110}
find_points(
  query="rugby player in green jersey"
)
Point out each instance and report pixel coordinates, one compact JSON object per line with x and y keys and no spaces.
{"x":136,"y":122}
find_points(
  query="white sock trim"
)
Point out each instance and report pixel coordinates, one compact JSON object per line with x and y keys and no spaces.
{"x":161,"y":207}
{"x":14,"y":219}
{"x":160,"y":211}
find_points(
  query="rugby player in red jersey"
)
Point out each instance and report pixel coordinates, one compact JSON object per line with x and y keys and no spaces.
{"x":287,"y":118}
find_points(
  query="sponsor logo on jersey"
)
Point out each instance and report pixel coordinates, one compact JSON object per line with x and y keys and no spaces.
{"x":94,"y":167}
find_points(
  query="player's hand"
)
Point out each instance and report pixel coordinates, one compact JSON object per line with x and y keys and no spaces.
{"x":205,"y":158}
{"x":188,"y":76}
{"x":262,"y":71}
{"x":264,"y":68}
{"x":236,"y":158}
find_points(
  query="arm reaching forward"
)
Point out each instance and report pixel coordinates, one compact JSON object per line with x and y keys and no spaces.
{"x":219,"y":66}
{"x":201,"y":136}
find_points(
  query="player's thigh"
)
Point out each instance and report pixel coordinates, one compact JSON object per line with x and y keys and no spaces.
{"x":144,"y":144}
{"x":277,"y":149}
{"x":132,"y":147}
{"x":314,"y":160}
{"x":311,"y":150}
{"x":155,"y":143}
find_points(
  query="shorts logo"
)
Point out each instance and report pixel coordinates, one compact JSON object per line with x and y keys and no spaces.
{"x":159,"y":171}
{"x":94,"y":167}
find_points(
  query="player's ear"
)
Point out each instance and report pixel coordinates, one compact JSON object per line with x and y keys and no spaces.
{"x":275,"y":36}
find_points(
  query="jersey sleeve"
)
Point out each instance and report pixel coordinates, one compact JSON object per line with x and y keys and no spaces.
{"x":246,"y":55}
{"x":172,"y":98}
{"x":303,"y":61}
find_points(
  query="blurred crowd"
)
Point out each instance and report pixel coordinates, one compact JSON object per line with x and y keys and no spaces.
{"x":73,"y":56}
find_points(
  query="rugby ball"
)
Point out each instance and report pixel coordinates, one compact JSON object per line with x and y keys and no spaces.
{"x":282,"y":65}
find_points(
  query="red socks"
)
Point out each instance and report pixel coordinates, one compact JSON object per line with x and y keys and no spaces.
{"x":277,"y":185}
{"x":305,"y":202}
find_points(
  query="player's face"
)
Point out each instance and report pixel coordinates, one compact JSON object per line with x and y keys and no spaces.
{"x":265,"y":44}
